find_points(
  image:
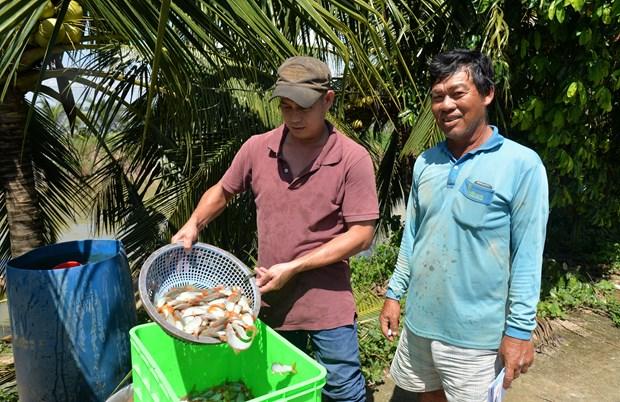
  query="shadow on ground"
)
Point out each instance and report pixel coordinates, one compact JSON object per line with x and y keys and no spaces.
{"x":585,"y":367}
{"x":393,"y":394}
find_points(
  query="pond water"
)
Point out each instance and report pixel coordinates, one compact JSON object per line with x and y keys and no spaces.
{"x":82,"y":230}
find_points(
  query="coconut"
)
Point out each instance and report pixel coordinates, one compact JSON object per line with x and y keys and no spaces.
{"x":73,"y":34}
{"x":44,"y":33}
{"x":74,"y":12}
{"x":48,"y":11}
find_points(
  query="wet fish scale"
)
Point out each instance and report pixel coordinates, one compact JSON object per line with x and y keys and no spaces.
{"x":217,"y":313}
{"x":228,"y":392}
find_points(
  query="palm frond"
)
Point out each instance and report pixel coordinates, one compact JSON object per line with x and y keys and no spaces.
{"x":17,"y":21}
{"x":424,"y":132}
{"x":61,"y":191}
{"x":209,"y":67}
{"x":368,"y":305}
{"x":5,"y":239}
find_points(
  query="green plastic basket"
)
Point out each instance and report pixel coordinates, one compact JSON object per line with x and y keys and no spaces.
{"x":167,"y":369}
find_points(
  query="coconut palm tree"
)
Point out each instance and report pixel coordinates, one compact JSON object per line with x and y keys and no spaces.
{"x":172,"y":88}
{"x":38,"y":169}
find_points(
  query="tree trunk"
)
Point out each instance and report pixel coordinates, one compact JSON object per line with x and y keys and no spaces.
{"x":17,"y":177}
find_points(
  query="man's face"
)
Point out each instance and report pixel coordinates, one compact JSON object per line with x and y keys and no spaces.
{"x":306,"y":123}
{"x":458,"y":107}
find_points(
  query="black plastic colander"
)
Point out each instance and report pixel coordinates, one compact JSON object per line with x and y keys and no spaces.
{"x":205,"y":267}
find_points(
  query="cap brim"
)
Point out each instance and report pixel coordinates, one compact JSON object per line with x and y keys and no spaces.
{"x":304,"y":97}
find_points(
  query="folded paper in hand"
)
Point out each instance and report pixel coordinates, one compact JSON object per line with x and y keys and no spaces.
{"x":496,"y":390}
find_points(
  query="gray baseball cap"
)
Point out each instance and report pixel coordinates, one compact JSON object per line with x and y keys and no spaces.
{"x":303,"y":80}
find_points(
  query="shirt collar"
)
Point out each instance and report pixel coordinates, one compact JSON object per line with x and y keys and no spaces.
{"x":494,"y":141}
{"x":330,"y":154}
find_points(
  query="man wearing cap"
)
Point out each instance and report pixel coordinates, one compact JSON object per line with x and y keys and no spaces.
{"x":316,"y":205}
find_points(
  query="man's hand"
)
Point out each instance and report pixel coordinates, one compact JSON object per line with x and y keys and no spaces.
{"x":188,"y":234}
{"x":389,"y":318}
{"x":211,"y":204}
{"x":275,"y":277}
{"x":518,"y":356}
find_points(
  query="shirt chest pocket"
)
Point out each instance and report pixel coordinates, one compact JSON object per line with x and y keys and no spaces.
{"x":471,"y":203}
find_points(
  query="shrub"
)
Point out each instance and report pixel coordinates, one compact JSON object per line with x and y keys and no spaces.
{"x":369,"y":276}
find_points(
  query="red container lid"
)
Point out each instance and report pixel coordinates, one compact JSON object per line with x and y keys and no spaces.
{"x":67,"y":264}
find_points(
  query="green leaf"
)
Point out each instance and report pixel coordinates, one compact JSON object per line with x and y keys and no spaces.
{"x":560,"y":13}
{"x":585,"y":36}
{"x":523,"y":47}
{"x":577,"y":4}
{"x":555,"y":310}
{"x":526,"y":121}
{"x":539,"y":107}
{"x":558,"y":119}
{"x":553,"y":141}
{"x":598,"y":71}
{"x":537,"y":40}
{"x":583,"y":97}
{"x":616,"y":80}
{"x":599,"y":12}
{"x":572,"y":90}
{"x":551,"y":12}
{"x":483,"y":6}
{"x":603,"y":97}
{"x":606,"y":15}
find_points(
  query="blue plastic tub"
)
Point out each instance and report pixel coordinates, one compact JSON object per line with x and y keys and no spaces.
{"x":71,"y":326}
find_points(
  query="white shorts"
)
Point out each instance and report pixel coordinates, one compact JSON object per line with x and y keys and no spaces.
{"x":424,"y":365}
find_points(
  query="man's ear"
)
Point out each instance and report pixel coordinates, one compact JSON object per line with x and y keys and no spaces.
{"x":329,"y":97}
{"x":488,"y":98}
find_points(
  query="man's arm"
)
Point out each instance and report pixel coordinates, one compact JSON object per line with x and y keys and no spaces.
{"x":358,"y":237}
{"x":211,"y":204}
{"x":529,"y":213}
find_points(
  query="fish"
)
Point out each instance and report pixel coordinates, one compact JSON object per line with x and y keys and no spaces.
{"x":194,"y":310}
{"x":188,"y":296}
{"x":247,"y":319}
{"x":219,"y":313}
{"x":279,"y":368}
{"x":228,"y":391}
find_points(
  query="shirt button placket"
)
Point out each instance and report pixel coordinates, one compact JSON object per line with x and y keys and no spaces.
{"x":454,"y":172}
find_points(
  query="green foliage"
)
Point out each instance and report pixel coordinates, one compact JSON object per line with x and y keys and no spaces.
{"x":376,"y":352}
{"x":566,"y":289}
{"x":375,"y":269}
{"x":565,"y":83}
{"x":611,"y":255}
{"x":8,"y":395}
{"x":8,"y":389}
{"x":369,"y":276}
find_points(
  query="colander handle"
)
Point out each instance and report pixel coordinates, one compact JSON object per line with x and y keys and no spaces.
{"x":182,"y":244}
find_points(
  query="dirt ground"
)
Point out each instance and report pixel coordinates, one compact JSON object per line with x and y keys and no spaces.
{"x":584,"y":367}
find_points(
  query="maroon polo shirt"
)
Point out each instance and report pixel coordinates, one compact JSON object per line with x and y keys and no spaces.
{"x":297,"y":215}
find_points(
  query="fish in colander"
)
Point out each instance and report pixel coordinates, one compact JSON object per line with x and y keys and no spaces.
{"x":222,"y":313}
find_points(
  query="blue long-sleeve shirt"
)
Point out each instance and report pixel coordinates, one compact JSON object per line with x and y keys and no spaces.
{"x":471,"y":254}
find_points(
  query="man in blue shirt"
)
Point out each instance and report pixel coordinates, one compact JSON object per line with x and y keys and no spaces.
{"x":471,"y":255}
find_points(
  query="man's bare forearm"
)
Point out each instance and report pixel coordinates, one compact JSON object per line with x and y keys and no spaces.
{"x":357,"y":238}
{"x":211,"y":204}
